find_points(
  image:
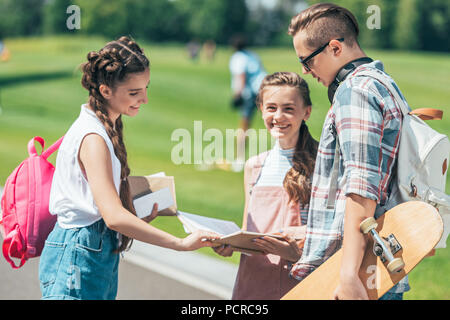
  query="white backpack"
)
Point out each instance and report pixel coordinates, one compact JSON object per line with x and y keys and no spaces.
{"x":423,"y":158}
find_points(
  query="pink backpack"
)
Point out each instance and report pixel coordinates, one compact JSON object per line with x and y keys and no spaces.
{"x":25,"y":217}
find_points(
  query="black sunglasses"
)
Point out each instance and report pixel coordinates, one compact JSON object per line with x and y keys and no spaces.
{"x":304,"y":62}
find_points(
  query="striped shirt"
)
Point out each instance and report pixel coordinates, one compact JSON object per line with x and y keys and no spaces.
{"x":275,"y":167}
{"x":366,"y":121}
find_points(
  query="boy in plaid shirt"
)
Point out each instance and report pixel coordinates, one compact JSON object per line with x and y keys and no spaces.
{"x":365,"y":122}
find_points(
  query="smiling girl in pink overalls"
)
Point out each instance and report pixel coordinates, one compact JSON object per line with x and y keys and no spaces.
{"x":277,"y":189}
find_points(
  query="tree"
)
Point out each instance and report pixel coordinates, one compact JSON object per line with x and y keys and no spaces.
{"x":104,"y":18}
{"x":21,"y":17}
{"x":406,"y":34}
{"x":213,"y":19}
{"x":434,"y":25}
{"x":156,"y":20}
{"x":268,"y":26}
{"x":55,"y":16}
{"x":236,"y":19}
{"x":405,"y":24}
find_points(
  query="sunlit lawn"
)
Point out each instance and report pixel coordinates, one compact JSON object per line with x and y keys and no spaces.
{"x":41,"y":94}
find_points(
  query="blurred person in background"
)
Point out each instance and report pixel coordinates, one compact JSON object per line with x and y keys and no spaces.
{"x":247,"y":73}
{"x":209,"y":49}
{"x":4,"y":52}
{"x":193,"y":48}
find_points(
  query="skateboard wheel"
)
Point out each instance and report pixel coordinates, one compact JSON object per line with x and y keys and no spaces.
{"x":396,"y":265}
{"x":367,"y":225}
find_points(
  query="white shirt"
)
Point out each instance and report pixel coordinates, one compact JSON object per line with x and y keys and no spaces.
{"x":71,"y":198}
{"x":276,"y":166}
{"x":249,"y":63}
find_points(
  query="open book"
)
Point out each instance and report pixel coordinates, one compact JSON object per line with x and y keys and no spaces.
{"x":231,"y":234}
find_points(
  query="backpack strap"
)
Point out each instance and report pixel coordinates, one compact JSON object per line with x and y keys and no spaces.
{"x":8,"y":244}
{"x":375,"y":74}
{"x":32,"y":148}
{"x":383,"y":79}
{"x":428,"y":113}
{"x":257,"y":163}
{"x":52,"y":148}
{"x":331,"y":201}
{"x":422,"y":113}
{"x":45,"y":154}
{"x":439,"y":198}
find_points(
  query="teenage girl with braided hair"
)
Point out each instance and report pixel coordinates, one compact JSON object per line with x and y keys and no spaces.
{"x":277,"y":189}
{"x":90,"y":193}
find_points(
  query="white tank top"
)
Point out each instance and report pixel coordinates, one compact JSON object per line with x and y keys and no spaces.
{"x":276,"y":166}
{"x":70,"y":196}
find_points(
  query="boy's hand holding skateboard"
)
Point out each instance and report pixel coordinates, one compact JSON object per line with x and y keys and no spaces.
{"x":405,"y":233}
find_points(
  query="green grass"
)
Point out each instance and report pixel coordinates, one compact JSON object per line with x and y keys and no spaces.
{"x":40,"y":94}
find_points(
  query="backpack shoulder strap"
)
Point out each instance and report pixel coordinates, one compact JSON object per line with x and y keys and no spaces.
{"x":45,"y":154}
{"x":334,"y":176}
{"x":383,"y":79}
{"x":422,"y":113}
{"x":52,"y":148}
{"x":401,"y":103}
{"x":256,"y":163}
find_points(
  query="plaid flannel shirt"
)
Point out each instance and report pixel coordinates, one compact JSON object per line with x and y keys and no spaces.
{"x":367,"y":122}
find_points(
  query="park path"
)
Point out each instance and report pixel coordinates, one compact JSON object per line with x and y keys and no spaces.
{"x":145,"y":272}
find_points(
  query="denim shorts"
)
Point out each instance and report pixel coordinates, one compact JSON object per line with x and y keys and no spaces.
{"x":248,"y":107}
{"x":396,"y":292}
{"x":80,"y":263}
{"x":392,"y":296}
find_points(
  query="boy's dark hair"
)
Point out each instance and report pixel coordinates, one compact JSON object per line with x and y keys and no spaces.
{"x":324,"y":22}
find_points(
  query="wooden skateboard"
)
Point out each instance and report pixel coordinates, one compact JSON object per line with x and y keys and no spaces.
{"x":397,"y":242}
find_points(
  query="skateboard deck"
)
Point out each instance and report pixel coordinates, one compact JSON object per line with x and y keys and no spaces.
{"x":416,"y":226}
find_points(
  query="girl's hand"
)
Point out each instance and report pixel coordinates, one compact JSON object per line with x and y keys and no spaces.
{"x":287,"y":249}
{"x":153,"y":215}
{"x":298,"y":232}
{"x":199,"y":239}
{"x":224,"y":250}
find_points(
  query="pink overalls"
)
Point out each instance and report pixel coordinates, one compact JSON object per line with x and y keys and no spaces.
{"x":265,"y":277}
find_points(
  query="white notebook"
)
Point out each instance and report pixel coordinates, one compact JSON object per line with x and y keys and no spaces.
{"x":144,"y":204}
{"x":192,"y":222}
